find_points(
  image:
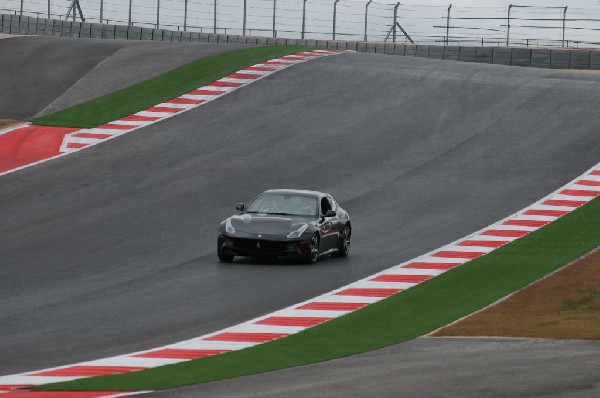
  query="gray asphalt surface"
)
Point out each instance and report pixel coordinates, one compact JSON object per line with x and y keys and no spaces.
{"x":41,"y":75}
{"x":112,"y":249}
{"x":466,"y":368}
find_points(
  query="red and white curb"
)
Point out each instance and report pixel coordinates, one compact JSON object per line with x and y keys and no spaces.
{"x":330,"y":305}
{"x":25,"y":146}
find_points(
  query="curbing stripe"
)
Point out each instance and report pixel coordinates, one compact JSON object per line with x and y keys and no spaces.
{"x":178,"y":353}
{"x":247,"y":337}
{"x":589,"y":183}
{"x":368,"y":292}
{"x":292,"y":321}
{"x":332,"y":306}
{"x":88,"y":371}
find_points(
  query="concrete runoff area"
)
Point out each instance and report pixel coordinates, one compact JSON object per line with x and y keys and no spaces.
{"x":426,"y":367}
{"x":112,"y":249}
{"x":48,"y":74}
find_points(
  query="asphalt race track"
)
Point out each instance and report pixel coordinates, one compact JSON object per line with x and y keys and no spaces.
{"x":112,"y":249}
{"x":432,"y":368}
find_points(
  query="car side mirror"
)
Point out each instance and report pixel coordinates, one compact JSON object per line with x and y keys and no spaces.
{"x":240,"y":207}
{"x":330,"y":213}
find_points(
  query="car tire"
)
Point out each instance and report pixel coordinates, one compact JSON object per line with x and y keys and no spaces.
{"x":344,"y":247}
{"x":224,"y":258}
{"x":313,"y":250}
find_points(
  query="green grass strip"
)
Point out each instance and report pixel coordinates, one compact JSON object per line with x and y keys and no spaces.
{"x":405,"y":316}
{"x":162,"y":88}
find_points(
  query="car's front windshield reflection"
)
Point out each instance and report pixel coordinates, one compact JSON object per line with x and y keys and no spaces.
{"x":284,"y":204}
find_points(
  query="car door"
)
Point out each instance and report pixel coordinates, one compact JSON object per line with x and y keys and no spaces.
{"x":338,"y":224}
{"x":328,"y":226}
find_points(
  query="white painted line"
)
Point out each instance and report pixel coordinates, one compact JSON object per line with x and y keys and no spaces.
{"x":132,"y":361}
{"x":33,"y":380}
{"x":383,"y":285}
{"x":125,"y":394}
{"x":254,"y":328}
{"x":412,"y":271}
{"x":432,"y":259}
{"x":234,"y":80}
{"x":197,"y":344}
{"x":312,"y":313}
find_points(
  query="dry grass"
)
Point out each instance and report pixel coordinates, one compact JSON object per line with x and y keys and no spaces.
{"x":5,"y":123}
{"x":565,"y":305}
{"x":6,"y":36}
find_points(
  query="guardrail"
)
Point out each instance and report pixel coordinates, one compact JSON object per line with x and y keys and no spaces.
{"x":515,"y":56}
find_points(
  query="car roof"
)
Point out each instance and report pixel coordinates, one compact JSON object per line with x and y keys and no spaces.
{"x":297,"y":192}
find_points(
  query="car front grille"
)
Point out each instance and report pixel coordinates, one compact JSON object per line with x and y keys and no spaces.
{"x":260,"y":246}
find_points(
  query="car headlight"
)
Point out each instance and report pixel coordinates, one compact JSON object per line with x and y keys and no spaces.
{"x":298,"y":232}
{"x":229,"y":228}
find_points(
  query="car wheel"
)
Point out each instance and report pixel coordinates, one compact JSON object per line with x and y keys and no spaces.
{"x":344,"y":246}
{"x":313,"y":250}
{"x":224,"y":258}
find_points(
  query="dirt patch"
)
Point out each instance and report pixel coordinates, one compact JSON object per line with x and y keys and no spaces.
{"x":5,"y":123}
{"x":565,"y":305}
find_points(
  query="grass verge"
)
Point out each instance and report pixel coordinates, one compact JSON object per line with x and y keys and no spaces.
{"x":162,"y":88}
{"x":415,"y":312}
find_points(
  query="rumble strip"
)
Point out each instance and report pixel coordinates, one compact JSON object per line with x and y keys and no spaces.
{"x":321,"y":309}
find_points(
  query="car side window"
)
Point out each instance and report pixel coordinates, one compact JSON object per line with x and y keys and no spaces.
{"x":325,"y":206}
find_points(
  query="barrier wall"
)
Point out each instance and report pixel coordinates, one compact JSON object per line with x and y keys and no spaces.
{"x":516,"y":56}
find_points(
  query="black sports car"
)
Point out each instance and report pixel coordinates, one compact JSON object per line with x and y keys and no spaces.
{"x":286,"y":223}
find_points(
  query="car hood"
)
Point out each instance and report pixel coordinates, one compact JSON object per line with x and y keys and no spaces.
{"x":267,"y":224}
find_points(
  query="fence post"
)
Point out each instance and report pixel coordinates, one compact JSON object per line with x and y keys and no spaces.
{"x":274,"y":15}
{"x":303,"y":18}
{"x":395,"y":21}
{"x":157,"y":14}
{"x":101,"y":10}
{"x":508,"y":26}
{"x":185,"y":12}
{"x":21,"y":12}
{"x":448,"y":25}
{"x":367,"y":17}
{"x":334,"y":16}
{"x":130,"y":9}
{"x":564,"y":25}
{"x":215,"y":17}
{"x":244,"y":21}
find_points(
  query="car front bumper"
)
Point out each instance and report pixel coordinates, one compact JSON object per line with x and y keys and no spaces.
{"x":266,"y":248}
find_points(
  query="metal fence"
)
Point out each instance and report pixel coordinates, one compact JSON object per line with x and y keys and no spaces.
{"x":559,"y":58}
{"x":356,"y":20}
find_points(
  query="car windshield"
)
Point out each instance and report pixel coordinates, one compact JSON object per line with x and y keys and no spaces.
{"x":284,"y":204}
